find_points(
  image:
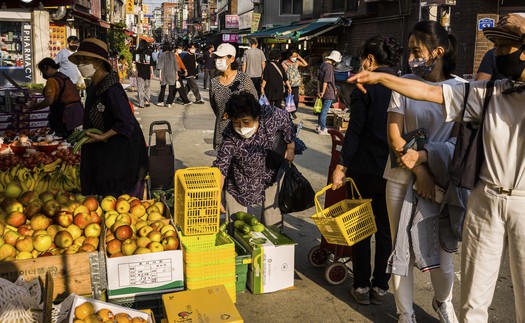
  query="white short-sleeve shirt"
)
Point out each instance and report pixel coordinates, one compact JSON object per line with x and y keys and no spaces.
{"x":503,"y":130}
{"x":419,"y":114}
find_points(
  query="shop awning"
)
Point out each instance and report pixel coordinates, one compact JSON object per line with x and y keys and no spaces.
{"x":301,"y":30}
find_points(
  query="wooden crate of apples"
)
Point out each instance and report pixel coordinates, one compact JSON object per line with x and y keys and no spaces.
{"x":137,"y":227}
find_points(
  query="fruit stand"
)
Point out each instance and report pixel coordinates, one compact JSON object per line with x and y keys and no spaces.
{"x":112,"y":256}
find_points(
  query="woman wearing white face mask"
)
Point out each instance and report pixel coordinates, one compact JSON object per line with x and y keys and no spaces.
{"x":115,"y":162}
{"x":252,"y":132}
{"x":230,"y":81}
{"x":291,"y":66}
{"x":432,"y":60}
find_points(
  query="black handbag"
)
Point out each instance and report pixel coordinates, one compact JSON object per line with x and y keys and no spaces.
{"x":296,"y":194}
{"x":469,"y":153}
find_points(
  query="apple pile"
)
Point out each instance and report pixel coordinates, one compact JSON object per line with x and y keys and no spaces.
{"x":36,"y":225}
{"x":85,"y":313}
{"x":136,"y":227}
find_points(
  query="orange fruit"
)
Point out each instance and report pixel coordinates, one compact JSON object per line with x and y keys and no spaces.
{"x":84,"y":310}
{"x":105,"y":314}
{"x":122,"y":318}
{"x":138,"y":320}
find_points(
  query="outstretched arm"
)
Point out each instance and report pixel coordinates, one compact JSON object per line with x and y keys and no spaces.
{"x":413,"y":89}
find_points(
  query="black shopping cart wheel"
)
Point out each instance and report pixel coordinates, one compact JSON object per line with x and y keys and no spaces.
{"x":318,"y":256}
{"x":336,"y":273}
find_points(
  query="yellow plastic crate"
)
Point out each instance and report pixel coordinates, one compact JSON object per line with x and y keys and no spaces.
{"x":197,"y":200}
{"x":225,"y":268}
{"x":230,"y":286}
{"x":346,"y":222}
{"x":207,"y":249}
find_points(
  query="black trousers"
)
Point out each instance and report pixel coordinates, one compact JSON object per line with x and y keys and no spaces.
{"x":191,"y":84}
{"x":209,"y":73}
{"x":257,"y":83}
{"x":182,"y":93}
{"x":373,"y":187}
{"x":171,"y":93}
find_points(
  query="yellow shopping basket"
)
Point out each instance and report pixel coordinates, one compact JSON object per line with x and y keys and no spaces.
{"x":347,"y":222}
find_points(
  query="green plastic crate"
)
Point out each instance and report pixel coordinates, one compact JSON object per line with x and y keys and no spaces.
{"x":242,"y":260}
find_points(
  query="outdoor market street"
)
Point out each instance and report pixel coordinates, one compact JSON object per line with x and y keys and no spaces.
{"x":313,"y":299}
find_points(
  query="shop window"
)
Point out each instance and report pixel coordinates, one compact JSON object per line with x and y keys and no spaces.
{"x":11,"y":44}
{"x":291,"y":7}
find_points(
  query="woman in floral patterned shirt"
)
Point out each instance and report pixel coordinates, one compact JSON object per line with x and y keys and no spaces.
{"x":252,"y":132}
{"x":291,"y":66}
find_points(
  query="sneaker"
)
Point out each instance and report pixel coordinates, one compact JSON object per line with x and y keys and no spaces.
{"x":179,"y":100}
{"x":160,"y":104}
{"x":378,"y":295}
{"x":445,"y":311}
{"x":169,"y":106}
{"x":324,"y":132}
{"x":147,"y":104}
{"x":361,"y":295}
{"x":199,"y":102}
{"x":188,"y":103}
{"x":406,"y":318}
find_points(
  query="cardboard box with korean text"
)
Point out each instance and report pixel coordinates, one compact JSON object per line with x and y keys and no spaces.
{"x":273,"y":261}
{"x":210,"y":304}
{"x":143,"y":274}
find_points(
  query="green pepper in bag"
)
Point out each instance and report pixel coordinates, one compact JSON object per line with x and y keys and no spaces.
{"x":318,"y":106}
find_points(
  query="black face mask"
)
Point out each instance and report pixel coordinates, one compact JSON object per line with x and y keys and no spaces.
{"x":45,"y":76}
{"x":511,"y":65}
{"x":73,"y":47}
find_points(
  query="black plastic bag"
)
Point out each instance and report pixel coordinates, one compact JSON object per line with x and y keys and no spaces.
{"x":296,"y":193}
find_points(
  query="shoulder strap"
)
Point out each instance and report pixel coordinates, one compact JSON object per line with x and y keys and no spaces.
{"x":488,"y":96}
{"x":465,"y":99}
{"x":277,"y":68}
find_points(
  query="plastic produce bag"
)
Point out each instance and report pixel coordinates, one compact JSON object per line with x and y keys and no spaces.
{"x":296,"y":193}
{"x":318,"y":106}
{"x":290,"y":105}
{"x":263,"y":100}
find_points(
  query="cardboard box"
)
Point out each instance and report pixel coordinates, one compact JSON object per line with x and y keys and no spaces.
{"x":210,"y":304}
{"x":273,"y":260}
{"x":146,"y":273}
{"x":70,"y":273}
{"x":78,"y":300}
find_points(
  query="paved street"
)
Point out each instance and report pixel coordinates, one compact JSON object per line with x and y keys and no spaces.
{"x":312,"y":299}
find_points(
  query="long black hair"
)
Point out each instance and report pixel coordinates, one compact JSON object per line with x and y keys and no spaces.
{"x":386,"y":50}
{"x":48,"y":61}
{"x":433,"y":35}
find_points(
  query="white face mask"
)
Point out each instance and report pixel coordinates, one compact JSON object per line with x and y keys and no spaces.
{"x":246,"y":132}
{"x":87,"y":70}
{"x":293,"y":59}
{"x":220,"y":64}
{"x":192,"y":51}
{"x":179,"y":51}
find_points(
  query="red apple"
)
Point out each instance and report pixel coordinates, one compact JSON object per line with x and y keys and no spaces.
{"x":113,"y":246}
{"x":82,"y":220}
{"x":91,"y":203}
{"x":123,"y":232}
{"x":64,"y":218}
{"x":16,"y":219}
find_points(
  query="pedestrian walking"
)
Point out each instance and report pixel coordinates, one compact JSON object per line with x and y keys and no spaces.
{"x":246,"y":178}
{"x":145,"y":65}
{"x":230,"y":81}
{"x":66,"y":67}
{"x":326,"y":88}
{"x":291,"y":66}
{"x":253,"y":63}
{"x":275,"y":80}
{"x":123,"y":68}
{"x":494,"y":221}
{"x":363,"y":158}
{"x":190,"y":61}
{"x":209,"y":66}
{"x":167,"y":66}
{"x":115,"y":162}
{"x":183,"y":72}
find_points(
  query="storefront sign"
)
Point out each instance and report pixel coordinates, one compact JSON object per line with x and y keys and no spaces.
{"x":229,"y":38}
{"x":27,"y":51}
{"x":245,"y":20}
{"x":256,"y":18}
{"x":232,"y":22}
{"x":130,"y":6}
{"x":485,"y":23}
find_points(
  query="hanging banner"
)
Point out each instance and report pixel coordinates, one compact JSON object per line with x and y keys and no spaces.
{"x":256,"y":18}
{"x":130,"y":6}
{"x":28,"y":51}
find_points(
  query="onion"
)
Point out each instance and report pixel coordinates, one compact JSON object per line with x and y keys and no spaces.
{"x":23,"y":138}
{"x":49,"y":138}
